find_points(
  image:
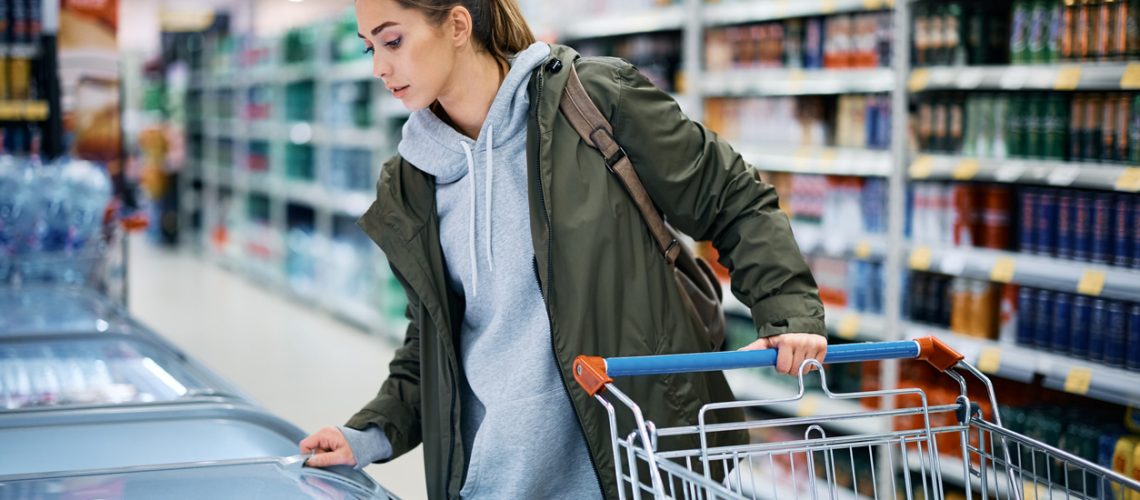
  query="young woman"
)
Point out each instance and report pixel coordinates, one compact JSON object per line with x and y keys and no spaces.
{"x":518,"y":251}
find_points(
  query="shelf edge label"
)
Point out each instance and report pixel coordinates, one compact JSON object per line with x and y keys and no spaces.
{"x":920,"y":258}
{"x":1068,"y":78}
{"x":989,"y":361}
{"x":1003,"y":270}
{"x":1131,"y":78}
{"x":1078,"y":380}
{"x":849,"y":327}
{"x":1092,"y":283}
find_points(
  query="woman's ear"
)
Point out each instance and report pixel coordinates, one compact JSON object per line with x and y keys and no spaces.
{"x":459,"y":26}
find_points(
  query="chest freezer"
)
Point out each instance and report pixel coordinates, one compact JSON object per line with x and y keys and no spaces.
{"x":116,"y":437}
{"x":258,"y":479}
{"x":74,"y":371}
{"x":49,"y":309}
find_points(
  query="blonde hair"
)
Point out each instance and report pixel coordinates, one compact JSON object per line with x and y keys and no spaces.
{"x":497,"y":25}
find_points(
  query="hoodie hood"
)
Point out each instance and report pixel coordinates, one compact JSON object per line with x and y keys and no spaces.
{"x":441,"y":151}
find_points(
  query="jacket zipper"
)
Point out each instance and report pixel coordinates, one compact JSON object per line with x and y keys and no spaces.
{"x":546,"y":303}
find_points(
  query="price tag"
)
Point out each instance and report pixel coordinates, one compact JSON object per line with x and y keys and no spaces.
{"x":1003,"y":269}
{"x":920,"y":258}
{"x":1078,"y":381}
{"x":1092,"y":283}
{"x":872,"y":4}
{"x":807,"y":407}
{"x":9,"y":110}
{"x":918,"y":80}
{"x":922,"y":167}
{"x":966,"y":170}
{"x":1009,"y":172}
{"x":1063,"y":176}
{"x":801,"y":158}
{"x":863,"y":250}
{"x":1068,"y":78}
{"x":989,"y":360}
{"x":849,"y":327}
{"x":828,"y":7}
{"x":1129,"y":180}
{"x":1131,"y":78}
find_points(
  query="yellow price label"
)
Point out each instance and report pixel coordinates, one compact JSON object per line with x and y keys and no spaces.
{"x":922,"y":167}
{"x":872,"y":4}
{"x":989,"y":360}
{"x":1131,"y":78}
{"x":1078,"y":381}
{"x":827,"y":7}
{"x":36,"y":110}
{"x":863,"y":250}
{"x":807,"y":407}
{"x":918,"y":80}
{"x":1003,"y":269}
{"x":966,"y":170}
{"x":920,"y":258}
{"x":10,"y":110}
{"x":1092,"y":283}
{"x":1129,"y":180}
{"x":849,"y":327}
{"x":1068,"y":78}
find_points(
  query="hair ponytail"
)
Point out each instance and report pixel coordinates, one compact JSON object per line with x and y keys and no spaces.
{"x":498,"y":26}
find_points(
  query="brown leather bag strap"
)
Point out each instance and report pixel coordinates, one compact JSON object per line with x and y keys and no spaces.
{"x":592,"y":125}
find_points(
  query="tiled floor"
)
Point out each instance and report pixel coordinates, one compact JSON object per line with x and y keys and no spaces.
{"x":301,"y":364}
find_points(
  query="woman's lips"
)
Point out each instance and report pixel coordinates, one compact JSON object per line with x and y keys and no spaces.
{"x":398,"y":92}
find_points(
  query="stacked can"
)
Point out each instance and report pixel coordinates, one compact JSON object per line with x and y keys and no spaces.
{"x":1100,"y":330}
{"x":1089,"y":227}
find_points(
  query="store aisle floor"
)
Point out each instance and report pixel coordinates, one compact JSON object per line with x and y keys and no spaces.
{"x":301,"y":364}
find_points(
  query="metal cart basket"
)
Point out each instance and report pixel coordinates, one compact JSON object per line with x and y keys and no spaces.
{"x":995,"y":462}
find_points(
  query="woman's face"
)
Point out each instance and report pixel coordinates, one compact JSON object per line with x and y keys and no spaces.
{"x":414,"y":58}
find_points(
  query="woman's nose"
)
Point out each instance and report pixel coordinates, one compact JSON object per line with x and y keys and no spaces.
{"x":380,"y":69}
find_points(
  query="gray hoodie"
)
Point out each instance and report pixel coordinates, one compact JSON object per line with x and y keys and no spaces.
{"x":520,"y":434}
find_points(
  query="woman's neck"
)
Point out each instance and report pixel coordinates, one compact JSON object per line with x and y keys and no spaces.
{"x":466,"y":101}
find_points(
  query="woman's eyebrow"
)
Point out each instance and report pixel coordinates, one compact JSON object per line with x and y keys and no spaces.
{"x":376,"y":31}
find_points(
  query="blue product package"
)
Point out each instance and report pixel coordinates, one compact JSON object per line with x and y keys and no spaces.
{"x":1046,"y":227}
{"x":1123,"y":248}
{"x":1098,"y":328}
{"x":1062,"y":320}
{"x":1028,"y":223}
{"x":1134,"y":232}
{"x":1043,"y":327}
{"x":1026,"y":315}
{"x":1082,"y":226}
{"x":871,"y":123}
{"x":885,"y":125}
{"x":1102,"y":229}
{"x":1132,"y":359}
{"x":1081,"y":321}
{"x":1065,"y":226}
{"x":1115,"y":334}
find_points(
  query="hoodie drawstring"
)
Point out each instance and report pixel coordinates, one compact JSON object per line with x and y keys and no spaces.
{"x":487,"y":218}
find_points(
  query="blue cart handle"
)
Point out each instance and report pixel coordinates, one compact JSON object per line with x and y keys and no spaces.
{"x":594,"y":372}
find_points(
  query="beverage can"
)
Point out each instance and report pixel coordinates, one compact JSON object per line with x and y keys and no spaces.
{"x":1035,"y":127}
{"x":1093,"y":114}
{"x":1079,"y":325}
{"x":1132,"y":360}
{"x":1123,"y":249}
{"x":1082,"y":226}
{"x":1108,"y":131}
{"x":1098,"y":329}
{"x":1062,"y":320}
{"x":1046,"y":230}
{"x":1076,"y":128}
{"x":995,"y":218}
{"x":1026,"y":316}
{"x":1019,"y":32}
{"x":1015,"y":123}
{"x":1123,"y":118}
{"x":1115,"y":334}
{"x":1102,"y":228}
{"x":1043,"y":327}
{"x":1066,"y":235}
{"x":1027,"y":240}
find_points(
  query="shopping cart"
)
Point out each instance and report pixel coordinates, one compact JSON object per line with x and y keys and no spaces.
{"x":903,"y":450}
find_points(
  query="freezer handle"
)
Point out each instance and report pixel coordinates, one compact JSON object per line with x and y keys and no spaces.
{"x":594,"y":372}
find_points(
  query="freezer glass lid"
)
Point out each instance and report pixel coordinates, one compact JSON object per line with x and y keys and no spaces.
{"x":259,"y":479}
{"x":43,"y":309}
{"x":92,"y":371}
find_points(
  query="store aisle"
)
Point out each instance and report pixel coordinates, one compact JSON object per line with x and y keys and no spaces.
{"x":299,"y":363}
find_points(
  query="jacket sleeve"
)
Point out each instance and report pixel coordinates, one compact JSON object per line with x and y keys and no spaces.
{"x":706,"y":190}
{"x":396,"y":408}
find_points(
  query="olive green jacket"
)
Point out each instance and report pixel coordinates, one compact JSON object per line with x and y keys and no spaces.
{"x":607,"y":288}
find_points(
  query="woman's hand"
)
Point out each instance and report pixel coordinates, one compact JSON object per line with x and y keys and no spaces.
{"x":793,"y":348}
{"x":330,"y":448}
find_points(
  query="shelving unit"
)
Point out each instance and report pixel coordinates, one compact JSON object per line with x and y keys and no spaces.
{"x":1098,"y":176}
{"x":792,"y":82}
{"x":670,"y":18}
{"x":819,"y":161}
{"x":1069,"y":76}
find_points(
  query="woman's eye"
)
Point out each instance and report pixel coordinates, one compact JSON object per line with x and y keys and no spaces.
{"x":369,"y":50}
{"x":395,"y":43}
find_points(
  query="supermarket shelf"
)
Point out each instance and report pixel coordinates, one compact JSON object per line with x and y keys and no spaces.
{"x":21,"y":50}
{"x":1019,"y":171}
{"x":1022,"y":364}
{"x":260,"y":130}
{"x":349,"y":71}
{"x":815,"y":239}
{"x":297,"y":72}
{"x":626,"y":23}
{"x":817,"y":160}
{"x":748,"y":386}
{"x":841,"y":322}
{"x":371,"y":138}
{"x":1090,"y":76}
{"x":780,"y":82}
{"x":23,"y":110}
{"x":752,"y":12}
{"x":1029,"y":270}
